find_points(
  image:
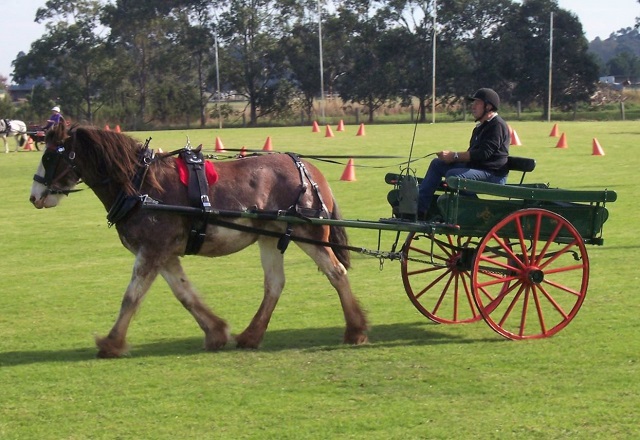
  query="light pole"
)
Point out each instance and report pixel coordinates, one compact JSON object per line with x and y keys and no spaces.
{"x":550,"y":65}
{"x":433,"y":62}
{"x":321,"y":63}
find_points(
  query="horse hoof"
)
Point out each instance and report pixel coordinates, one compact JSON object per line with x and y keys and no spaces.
{"x":356,"y":339}
{"x":109,"y":349}
{"x":214,"y":345}
{"x":102,"y":354}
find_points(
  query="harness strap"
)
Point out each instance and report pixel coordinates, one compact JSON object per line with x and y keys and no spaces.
{"x":124,"y":202}
{"x":198,"y":193}
{"x":304,"y":173}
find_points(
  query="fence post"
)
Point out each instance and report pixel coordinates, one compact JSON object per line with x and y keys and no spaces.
{"x":622,"y":110}
{"x":519,"y":108}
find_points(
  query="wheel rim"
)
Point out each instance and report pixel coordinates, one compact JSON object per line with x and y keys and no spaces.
{"x":530,"y":274}
{"x":437,"y":278}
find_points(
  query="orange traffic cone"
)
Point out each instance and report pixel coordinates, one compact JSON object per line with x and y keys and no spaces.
{"x":117,"y":129}
{"x":328,"y":132}
{"x":515,"y":140}
{"x":243,"y":152}
{"x":597,"y":149}
{"x":360,"y":130}
{"x":349,"y":173}
{"x":267,"y":144}
{"x":219,"y":145}
{"x":315,"y":128}
{"x":29,"y":145}
{"x":340,"y":126}
{"x":554,"y":131}
{"x":106,"y":127}
{"x":562,"y":143}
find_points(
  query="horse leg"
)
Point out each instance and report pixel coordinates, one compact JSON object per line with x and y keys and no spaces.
{"x":114,"y":345}
{"x":6,"y":144}
{"x":273,"y":266}
{"x":356,"y":321}
{"x":215,"y":329}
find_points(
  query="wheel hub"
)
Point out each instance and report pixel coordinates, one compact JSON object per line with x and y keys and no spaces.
{"x":535,"y":276}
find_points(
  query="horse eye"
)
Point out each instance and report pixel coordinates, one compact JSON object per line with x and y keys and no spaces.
{"x":60,"y":149}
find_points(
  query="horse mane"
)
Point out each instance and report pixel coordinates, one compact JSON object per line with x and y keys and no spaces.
{"x":113,"y":155}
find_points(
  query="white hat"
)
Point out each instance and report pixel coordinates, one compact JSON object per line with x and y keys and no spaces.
{"x":56,"y":109}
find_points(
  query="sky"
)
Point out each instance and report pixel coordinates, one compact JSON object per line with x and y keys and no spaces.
{"x":599,"y":18}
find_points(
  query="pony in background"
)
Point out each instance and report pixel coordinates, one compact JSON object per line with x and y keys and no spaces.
{"x":14,"y":128}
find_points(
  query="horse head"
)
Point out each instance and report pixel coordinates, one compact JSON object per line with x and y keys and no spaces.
{"x":57,"y":174}
{"x":106,"y":162}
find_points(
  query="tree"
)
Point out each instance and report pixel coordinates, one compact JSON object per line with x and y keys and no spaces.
{"x":524,"y":55}
{"x":371,"y":77}
{"x":624,"y":64}
{"x":254,"y":60}
{"x":71,"y":56}
{"x":303,"y":55}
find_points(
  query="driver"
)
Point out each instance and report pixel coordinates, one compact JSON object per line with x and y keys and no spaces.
{"x":55,"y":119}
{"x":485,"y":159}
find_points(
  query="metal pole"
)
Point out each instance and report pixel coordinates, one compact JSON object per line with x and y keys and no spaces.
{"x":550,"y":65}
{"x":321,"y":63}
{"x":433,"y":62}
{"x":215,"y":37}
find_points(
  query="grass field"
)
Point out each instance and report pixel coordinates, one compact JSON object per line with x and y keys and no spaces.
{"x":64,"y":272}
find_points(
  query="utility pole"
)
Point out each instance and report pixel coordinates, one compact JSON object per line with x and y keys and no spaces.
{"x":321,"y":63}
{"x":433,"y":62}
{"x":550,"y":66}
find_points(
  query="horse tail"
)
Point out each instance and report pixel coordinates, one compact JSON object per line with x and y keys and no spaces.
{"x":22,"y":140}
{"x":338,"y":235}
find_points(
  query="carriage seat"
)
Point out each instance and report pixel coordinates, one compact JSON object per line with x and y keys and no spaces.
{"x":522,"y":164}
{"x":404,"y":197}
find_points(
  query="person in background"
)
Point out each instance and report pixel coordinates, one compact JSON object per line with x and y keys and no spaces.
{"x":485,"y":159}
{"x":55,"y":119}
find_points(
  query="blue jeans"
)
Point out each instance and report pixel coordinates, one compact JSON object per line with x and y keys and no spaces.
{"x":438,"y":170}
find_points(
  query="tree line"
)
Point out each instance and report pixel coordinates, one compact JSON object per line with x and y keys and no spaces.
{"x":159,"y":62}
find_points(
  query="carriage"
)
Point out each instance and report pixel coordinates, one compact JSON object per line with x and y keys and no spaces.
{"x":36,"y":133}
{"x":512,"y":255}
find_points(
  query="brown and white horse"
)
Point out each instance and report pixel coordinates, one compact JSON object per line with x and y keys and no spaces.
{"x":107,"y":162}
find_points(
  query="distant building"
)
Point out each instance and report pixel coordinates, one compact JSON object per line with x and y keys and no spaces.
{"x":20,"y":92}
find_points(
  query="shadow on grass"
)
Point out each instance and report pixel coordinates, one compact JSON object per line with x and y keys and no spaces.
{"x":309,"y":339}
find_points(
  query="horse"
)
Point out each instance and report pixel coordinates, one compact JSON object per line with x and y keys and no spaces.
{"x":15,"y":128}
{"x":107,"y":162}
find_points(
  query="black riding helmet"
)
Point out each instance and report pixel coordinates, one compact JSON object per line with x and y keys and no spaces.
{"x":488,"y":96}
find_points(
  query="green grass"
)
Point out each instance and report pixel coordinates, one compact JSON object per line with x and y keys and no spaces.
{"x":64,"y":273}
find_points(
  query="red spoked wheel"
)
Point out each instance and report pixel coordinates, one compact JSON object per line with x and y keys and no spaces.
{"x":436,"y":276}
{"x":530,"y":274}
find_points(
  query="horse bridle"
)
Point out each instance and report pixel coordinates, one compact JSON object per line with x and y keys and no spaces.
{"x":50,"y":161}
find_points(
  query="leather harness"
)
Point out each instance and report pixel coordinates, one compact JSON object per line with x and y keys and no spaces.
{"x":198,"y":196}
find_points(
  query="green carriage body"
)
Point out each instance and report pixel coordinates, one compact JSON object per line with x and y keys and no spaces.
{"x":475,"y":216}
